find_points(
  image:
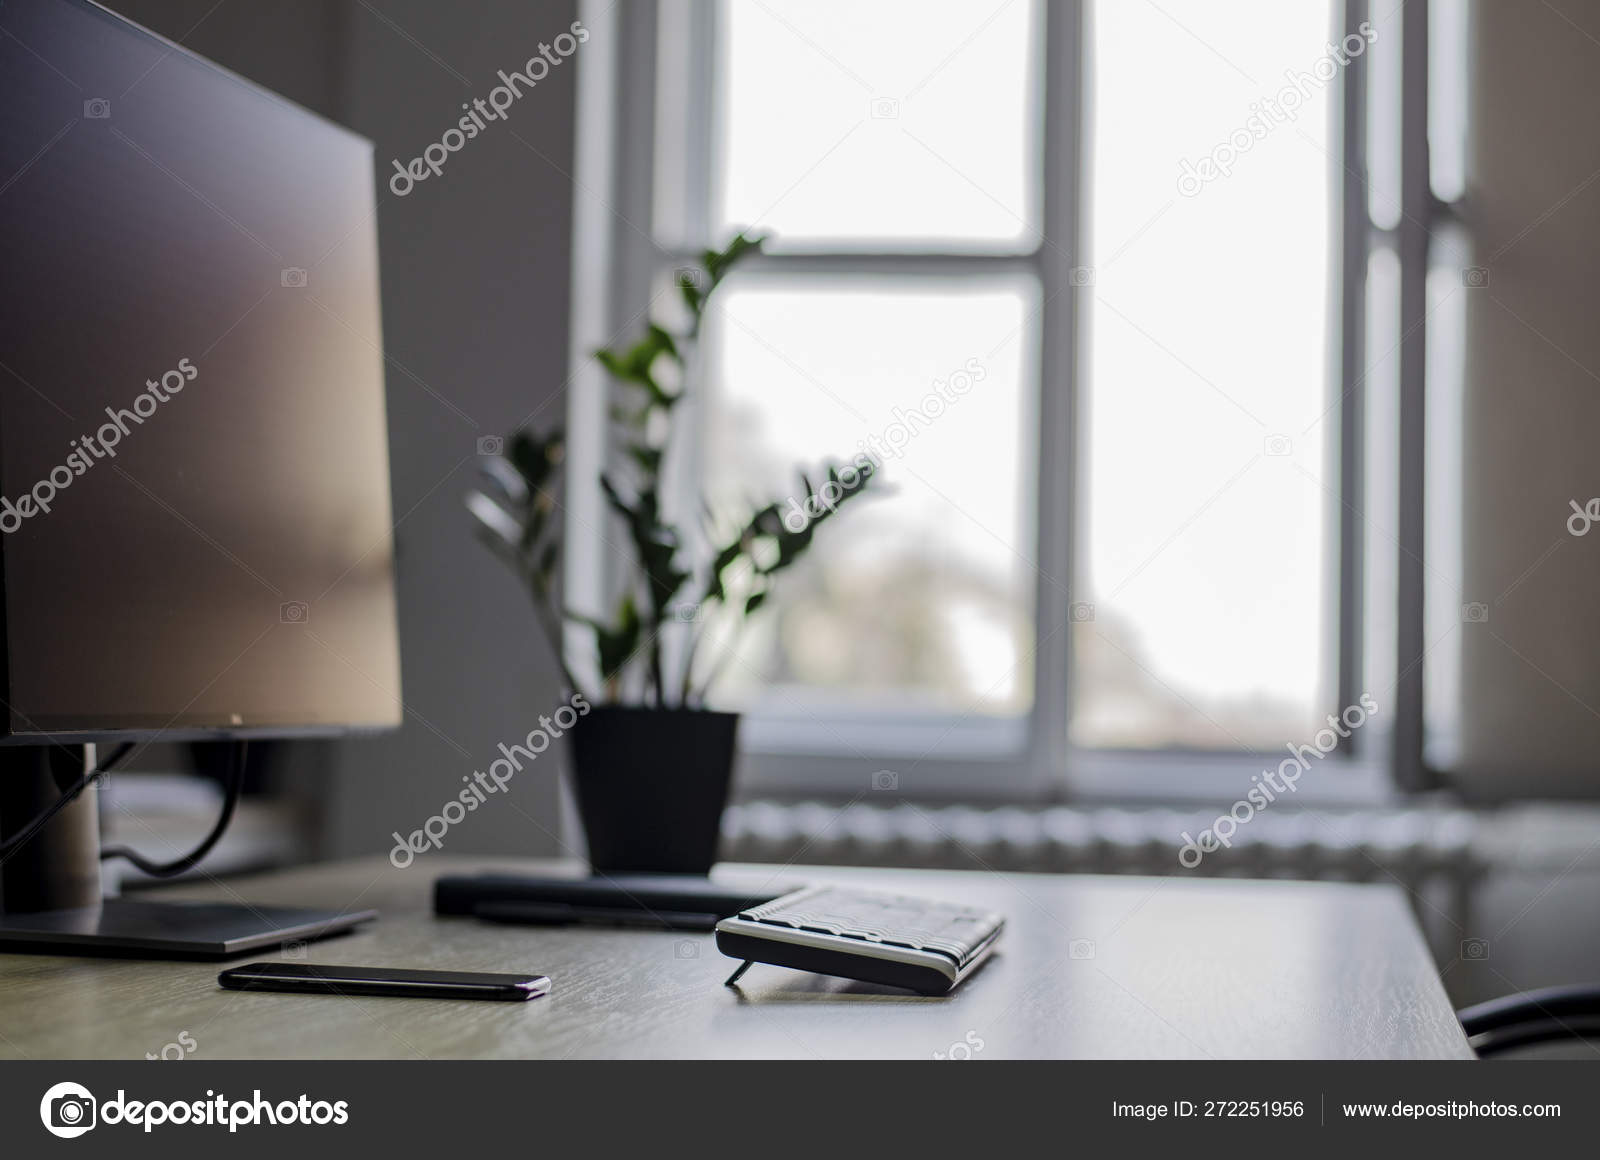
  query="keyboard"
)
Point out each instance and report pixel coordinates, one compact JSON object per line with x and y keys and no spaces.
{"x":875,"y":937}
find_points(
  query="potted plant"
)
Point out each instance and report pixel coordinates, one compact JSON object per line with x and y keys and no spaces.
{"x":651,"y":764}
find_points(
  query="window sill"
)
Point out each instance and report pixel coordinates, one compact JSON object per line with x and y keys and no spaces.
{"x":988,"y":760}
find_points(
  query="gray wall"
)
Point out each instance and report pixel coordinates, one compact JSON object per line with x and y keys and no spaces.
{"x":293,"y":47}
{"x":476,"y":267}
{"x":1530,"y":713}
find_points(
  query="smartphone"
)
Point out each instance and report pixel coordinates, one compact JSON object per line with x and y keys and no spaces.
{"x":321,"y":979}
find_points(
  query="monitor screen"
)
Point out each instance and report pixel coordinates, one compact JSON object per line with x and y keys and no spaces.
{"x":195,"y":525}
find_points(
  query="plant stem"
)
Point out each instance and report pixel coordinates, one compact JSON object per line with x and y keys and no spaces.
{"x":721,"y":665}
{"x":686,"y":687}
{"x":553,"y":634}
{"x":656,"y":674}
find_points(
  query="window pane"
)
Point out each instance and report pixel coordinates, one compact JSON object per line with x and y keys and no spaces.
{"x":894,"y":122}
{"x":1447,"y":608}
{"x":1447,"y":98}
{"x":1383,"y":116}
{"x":920,"y":596}
{"x":1380,"y":503}
{"x":1210,"y":489}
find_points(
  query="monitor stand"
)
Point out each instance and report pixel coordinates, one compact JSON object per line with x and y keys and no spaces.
{"x":50,"y":892}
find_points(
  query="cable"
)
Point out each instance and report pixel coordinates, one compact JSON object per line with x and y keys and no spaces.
{"x":68,"y":796}
{"x":1575,"y":1001}
{"x":1504,"y":1039}
{"x":1568,"y":1012}
{"x":192,"y":859}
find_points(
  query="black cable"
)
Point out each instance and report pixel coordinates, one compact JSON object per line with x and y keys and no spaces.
{"x":1503,"y":1039}
{"x":1551,"y":1013}
{"x":68,"y":796}
{"x":1574,"y":1001}
{"x":192,"y":859}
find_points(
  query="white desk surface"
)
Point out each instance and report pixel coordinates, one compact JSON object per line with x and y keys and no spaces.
{"x":1201,"y":968}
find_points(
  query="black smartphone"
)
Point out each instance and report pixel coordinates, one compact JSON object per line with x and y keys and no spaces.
{"x":321,"y":979}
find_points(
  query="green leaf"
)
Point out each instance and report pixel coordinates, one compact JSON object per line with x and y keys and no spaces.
{"x":534,"y":458}
{"x":648,"y":458}
{"x":692,"y":298}
{"x":614,"y":498}
{"x":665,"y":343}
{"x":614,"y":363}
{"x":654,"y":543}
{"x":718,"y":263}
{"x":616,"y":646}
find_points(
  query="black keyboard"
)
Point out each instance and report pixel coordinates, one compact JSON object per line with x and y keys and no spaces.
{"x":924,"y":946}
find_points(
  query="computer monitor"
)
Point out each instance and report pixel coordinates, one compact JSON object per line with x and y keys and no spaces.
{"x":195,"y":522}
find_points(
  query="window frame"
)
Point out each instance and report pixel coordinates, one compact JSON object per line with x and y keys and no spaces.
{"x":800,"y":754}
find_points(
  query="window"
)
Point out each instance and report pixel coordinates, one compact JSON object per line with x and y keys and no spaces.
{"x":1207,"y":522}
{"x":901,"y":124}
{"x":920,"y":599}
{"x":1133,"y":556}
{"x":848,"y":133}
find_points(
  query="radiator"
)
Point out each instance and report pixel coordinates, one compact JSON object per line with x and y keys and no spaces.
{"x":1411,"y":846}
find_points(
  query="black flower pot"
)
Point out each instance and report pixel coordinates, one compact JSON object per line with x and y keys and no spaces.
{"x":651,"y":785}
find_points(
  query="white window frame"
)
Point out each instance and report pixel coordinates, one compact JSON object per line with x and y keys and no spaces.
{"x":800,"y":754}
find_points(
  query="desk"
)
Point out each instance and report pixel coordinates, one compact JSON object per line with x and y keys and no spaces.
{"x":1087,"y":967}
